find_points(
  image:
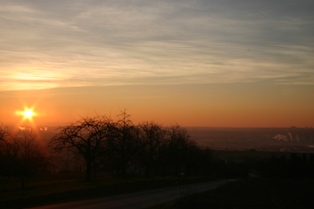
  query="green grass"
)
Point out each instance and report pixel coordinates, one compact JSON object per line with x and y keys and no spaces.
{"x":53,"y":190}
{"x":251,"y":194}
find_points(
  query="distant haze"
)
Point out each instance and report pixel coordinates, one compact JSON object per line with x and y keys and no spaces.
{"x":258,"y":139}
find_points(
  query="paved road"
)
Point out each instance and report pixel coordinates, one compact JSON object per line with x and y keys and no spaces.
{"x":137,"y":200}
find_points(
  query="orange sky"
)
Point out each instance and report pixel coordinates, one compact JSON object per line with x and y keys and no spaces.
{"x":219,"y":105}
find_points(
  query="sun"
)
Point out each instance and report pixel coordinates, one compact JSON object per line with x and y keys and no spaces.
{"x":28,"y":114}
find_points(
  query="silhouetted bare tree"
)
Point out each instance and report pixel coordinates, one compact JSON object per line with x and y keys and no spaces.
{"x":3,"y":150}
{"x":151,"y":137}
{"x":122,"y":143}
{"x":85,"y":137}
{"x":179,"y":146}
{"x":22,"y":155}
{"x":121,"y":147}
{"x":2,"y":135}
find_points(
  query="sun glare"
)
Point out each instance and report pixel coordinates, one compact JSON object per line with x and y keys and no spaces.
{"x":27,"y":114}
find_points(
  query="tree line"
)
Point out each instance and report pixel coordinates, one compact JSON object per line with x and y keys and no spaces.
{"x":21,"y":155}
{"x":287,"y":166}
{"x":122,"y":148}
{"x":117,"y":146}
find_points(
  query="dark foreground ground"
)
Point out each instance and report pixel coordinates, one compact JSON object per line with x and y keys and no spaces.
{"x":137,"y":200}
{"x":252,"y":194}
{"x":52,"y":190}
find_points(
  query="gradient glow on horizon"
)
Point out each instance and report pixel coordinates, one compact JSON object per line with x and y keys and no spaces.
{"x":196,"y":63}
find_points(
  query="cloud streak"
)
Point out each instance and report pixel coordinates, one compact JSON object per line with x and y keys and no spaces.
{"x":87,"y":43}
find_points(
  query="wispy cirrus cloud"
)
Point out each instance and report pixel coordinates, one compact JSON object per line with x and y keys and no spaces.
{"x":48,"y":44}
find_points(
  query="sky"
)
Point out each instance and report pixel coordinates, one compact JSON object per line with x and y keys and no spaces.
{"x":217,"y":63}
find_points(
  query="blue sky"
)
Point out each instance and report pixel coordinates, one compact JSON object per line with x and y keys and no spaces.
{"x":49,"y":44}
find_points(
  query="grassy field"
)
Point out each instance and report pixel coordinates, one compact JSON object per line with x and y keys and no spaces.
{"x":251,"y":194}
{"x":50,"y":190}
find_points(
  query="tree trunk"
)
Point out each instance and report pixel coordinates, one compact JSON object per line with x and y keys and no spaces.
{"x":147,"y":170}
{"x":88,"y":175}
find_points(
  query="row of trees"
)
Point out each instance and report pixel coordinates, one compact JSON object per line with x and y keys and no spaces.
{"x":102,"y":144}
{"x":292,"y":166}
{"x":21,"y":155}
{"x":121,"y":147}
